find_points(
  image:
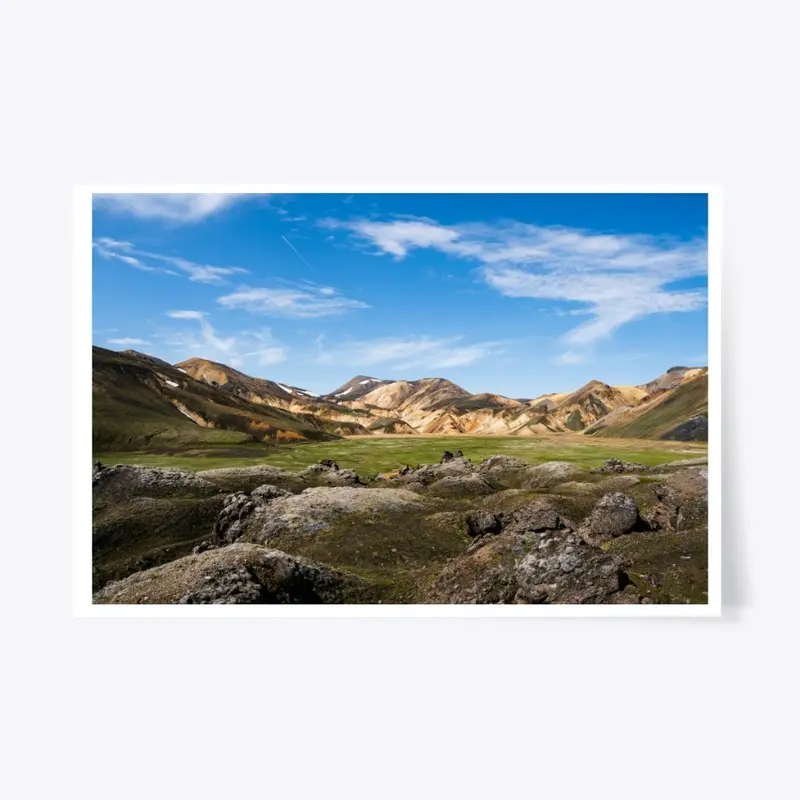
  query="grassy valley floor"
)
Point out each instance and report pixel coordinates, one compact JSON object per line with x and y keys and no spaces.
{"x":372,"y":454}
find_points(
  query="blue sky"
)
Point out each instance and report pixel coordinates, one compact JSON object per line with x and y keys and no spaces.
{"x":516,"y":294}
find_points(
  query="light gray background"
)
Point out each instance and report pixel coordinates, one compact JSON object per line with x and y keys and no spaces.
{"x":571,"y":92}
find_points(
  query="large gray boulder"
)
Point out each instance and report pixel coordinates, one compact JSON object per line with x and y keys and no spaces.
{"x":229,"y":525}
{"x":618,"y":466}
{"x":462,"y":485}
{"x":502,"y":464}
{"x":613,"y":515}
{"x":561,"y":568}
{"x":328,"y":473}
{"x":549,"y":474}
{"x":681,"y":500}
{"x":245,"y":479}
{"x":483,"y":523}
{"x":238,"y":574}
{"x":535,"y":558}
{"x":540,"y":515}
{"x":316,"y":509}
{"x":124,"y":481}
{"x":238,"y":508}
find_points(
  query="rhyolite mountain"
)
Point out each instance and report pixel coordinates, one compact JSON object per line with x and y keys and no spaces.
{"x":142,"y":402}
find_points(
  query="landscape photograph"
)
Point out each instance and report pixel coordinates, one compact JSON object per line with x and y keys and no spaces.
{"x":400,"y":399}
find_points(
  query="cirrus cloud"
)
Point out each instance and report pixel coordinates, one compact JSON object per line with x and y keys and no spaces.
{"x":427,"y":352}
{"x":300,"y":301}
{"x":234,"y":349}
{"x":138,"y":259}
{"x":613,"y":278}
{"x":176,"y":208}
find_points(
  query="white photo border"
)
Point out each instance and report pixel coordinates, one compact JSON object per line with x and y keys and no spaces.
{"x":82,"y":605}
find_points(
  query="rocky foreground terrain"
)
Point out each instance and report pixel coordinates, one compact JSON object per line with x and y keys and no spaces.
{"x":498,"y":531}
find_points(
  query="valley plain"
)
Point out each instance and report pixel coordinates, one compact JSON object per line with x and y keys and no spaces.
{"x":380,"y":453}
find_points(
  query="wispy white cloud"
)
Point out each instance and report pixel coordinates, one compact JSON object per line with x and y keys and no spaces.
{"x":399,"y":236}
{"x":176,"y":208}
{"x":234,"y":349}
{"x":300,"y":301}
{"x":200,"y":273}
{"x":571,"y":357}
{"x":138,"y":259}
{"x":115,"y":250}
{"x":613,"y":278}
{"x":425,"y":352}
{"x":112,"y":244}
{"x":127,"y":341}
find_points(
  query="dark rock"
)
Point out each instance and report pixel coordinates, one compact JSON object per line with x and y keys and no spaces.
{"x":614,"y":514}
{"x":502,"y":464}
{"x":534,"y":517}
{"x":97,"y":469}
{"x":462,"y":485}
{"x":693,"y":430}
{"x":231,"y":585}
{"x":240,"y":573}
{"x":682,"y":501}
{"x":268,"y":492}
{"x":446,"y":456}
{"x":321,"y":467}
{"x":520,"y":565}
{"x":481,"y":523}
{"x":561,"y":568}
{"x":236,"y":510}
{"x":615,"y":465}
{"x":327,"y":472}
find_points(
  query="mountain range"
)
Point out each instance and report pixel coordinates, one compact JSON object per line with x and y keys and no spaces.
{"x":140,"y":401}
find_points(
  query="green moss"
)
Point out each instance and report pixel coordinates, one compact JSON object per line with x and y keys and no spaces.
{"x":393,"y":556}
{"x":146,"y":532}
{"x":666,"y":566}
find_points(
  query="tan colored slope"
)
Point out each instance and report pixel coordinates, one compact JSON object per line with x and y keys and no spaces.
{"x":487,"y":421}
{"x":677,"y":413}
{"x":388,"y":397}
{"x":437,"y":406}
{"x":498,"y":400}
{"x":410,"y":397}
{"x":334,"y":417}
{"x":633,"y":395}
{"x":254,"y":390}
{"x":671,"y":379}
{"x":588,"y":404}
{"x":547,"y":402}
